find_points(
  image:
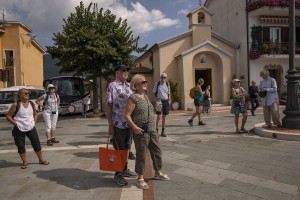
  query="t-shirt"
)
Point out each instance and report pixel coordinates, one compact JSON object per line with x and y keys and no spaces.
{"x":163,"y":91}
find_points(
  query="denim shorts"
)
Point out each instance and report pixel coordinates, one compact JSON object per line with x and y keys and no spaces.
{"x":198,"y":103}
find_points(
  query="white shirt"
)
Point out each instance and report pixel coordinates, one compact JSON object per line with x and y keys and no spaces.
{"x":24,"y":118}
{"x":51,"y":103}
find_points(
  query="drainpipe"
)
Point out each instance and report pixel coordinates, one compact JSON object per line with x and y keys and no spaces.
{"x":248,"y":61}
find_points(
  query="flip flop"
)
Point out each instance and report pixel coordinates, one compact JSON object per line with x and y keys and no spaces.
{"x":44,"y":163}
{"x":24,"y":166}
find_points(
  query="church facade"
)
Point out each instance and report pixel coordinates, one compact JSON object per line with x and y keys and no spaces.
{"x":196,"y":53}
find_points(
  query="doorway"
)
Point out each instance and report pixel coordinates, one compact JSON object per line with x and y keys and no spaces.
{"x":206,"y":75}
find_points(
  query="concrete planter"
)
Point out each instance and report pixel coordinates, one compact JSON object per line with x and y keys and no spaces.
{"x":175,"y":105}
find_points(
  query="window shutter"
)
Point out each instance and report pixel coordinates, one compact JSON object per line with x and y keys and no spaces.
{"x":266,"y":34}
{"x":285,"y":34}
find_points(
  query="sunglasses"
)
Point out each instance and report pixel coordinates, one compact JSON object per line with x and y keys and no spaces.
{"x":143,"y":82}
{"x":163,"y":77}
{"x":26,"y":93}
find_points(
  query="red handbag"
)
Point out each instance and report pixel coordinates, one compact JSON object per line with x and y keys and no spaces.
{"x":112,"y":160}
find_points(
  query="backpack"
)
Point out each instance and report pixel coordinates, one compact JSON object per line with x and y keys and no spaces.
{"x":193,"y":93}
{"x":18,"y":107}
{"x":158,"y":83}
{"x":47,"y":96}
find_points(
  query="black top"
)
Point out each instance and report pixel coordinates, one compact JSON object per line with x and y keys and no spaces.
{"x":252,"y":90}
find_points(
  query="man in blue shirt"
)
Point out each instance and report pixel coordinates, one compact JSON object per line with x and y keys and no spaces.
{"x":253,"y":91}
{"x":271,"y":100}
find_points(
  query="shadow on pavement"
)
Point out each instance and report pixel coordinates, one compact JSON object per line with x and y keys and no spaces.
{"x":85,"y":143}
{"x":205,"y":133}
{"x":77,"y":179}
{"x":97,"y":125}
{"x":5,"y":164}
{"x":94,"y":155}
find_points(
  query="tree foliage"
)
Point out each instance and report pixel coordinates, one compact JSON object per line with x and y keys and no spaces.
{"x":92,"y":42}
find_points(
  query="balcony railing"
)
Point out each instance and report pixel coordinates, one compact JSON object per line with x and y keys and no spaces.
{"x":255,"y":4}
{"x":270,"y":48}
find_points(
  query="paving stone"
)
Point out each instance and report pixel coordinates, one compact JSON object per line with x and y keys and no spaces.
{"x":271,"y":194}
{"x":238,"y":186}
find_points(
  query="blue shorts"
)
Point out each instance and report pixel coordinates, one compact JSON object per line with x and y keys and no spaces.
{"x":165,"y":108}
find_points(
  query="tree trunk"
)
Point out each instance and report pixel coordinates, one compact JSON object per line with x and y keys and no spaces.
{"x":95,"y":96}
{"x":101,"y":109}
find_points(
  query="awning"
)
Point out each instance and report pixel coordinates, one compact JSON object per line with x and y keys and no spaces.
{"x":274,"y":19}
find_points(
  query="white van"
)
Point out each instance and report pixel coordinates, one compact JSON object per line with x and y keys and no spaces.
{"x":8,"y":97}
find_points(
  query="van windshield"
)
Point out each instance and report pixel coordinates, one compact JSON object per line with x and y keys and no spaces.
{"x":8,"y":96}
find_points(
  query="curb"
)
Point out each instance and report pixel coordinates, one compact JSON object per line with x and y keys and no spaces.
{"x":279,"y":135}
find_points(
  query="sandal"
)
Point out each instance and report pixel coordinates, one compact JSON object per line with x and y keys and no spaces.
{"x":142,"y":184}
{"x":161,"y":176}
{"x":244,"y":130}
{"x":238,"y":131}
{"x":44,"y":163}
{"x":24,"y":166}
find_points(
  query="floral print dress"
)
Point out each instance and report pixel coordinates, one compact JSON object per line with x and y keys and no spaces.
{"x":238,"y":104}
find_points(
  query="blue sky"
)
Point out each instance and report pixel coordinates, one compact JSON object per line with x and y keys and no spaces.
{"x":152,"y":20}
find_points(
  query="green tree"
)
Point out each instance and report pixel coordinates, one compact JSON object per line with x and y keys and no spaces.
{"x":92,"y":42}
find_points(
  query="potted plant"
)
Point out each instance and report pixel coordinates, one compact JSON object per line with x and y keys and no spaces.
{"x":174,"y":97}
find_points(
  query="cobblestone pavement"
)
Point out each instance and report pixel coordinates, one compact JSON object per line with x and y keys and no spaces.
{"x":204,"y":162}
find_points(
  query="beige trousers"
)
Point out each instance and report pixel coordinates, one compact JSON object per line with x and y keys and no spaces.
{"x":143,"y":142}
{"x":273,"y":111}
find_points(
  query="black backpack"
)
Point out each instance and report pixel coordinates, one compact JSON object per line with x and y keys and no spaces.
{"x":47,"y":96}
{"x":18,"y":107}
{"x":158,"y":83}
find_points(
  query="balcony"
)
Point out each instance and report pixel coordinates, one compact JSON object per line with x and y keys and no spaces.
{"x":256,"y":4}
{"x":270,"y":49}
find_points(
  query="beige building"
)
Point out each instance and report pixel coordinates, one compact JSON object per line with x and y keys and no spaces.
{"x":235,"y":21}
{"x":21,"y":57}
{"x":196,"y":53}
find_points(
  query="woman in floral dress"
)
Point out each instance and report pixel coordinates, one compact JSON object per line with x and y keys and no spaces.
{"x":239,"y":106}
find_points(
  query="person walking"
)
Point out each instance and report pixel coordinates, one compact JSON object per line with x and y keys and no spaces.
{"x":198,"y":102}
{"x":239,"y":106}
{"x":116,"y":97}
{"x":50,"y":105}
{"x":161,"y":91}
{"x":139,"y":115}
{"x":271,"y":101}
{"x":207,"y":100}
{"x":253,"y":91}
{"x":23,"y":116}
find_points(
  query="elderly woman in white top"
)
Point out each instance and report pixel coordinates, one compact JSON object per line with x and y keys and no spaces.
{"x":23,"y":116}
{"x":50,"y":113}
{"x":271,"y":100}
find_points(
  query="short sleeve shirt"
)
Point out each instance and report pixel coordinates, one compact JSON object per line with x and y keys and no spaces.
{"x":51,"y":102}
{"x":163,"y":90}
{"x":117,"y":95}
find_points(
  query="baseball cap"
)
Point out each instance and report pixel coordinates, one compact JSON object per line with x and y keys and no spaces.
{"x":121,"y":67}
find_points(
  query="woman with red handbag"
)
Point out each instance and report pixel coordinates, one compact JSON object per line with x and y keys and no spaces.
{"x":139,"y":115}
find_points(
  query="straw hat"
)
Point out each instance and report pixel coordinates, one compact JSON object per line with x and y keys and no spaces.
{"x":50,"y":86}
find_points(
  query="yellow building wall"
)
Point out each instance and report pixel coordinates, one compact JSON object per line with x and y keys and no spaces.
{"x":169,"y":63}
{"x":230,"y":50}
{"x":28,"y":58}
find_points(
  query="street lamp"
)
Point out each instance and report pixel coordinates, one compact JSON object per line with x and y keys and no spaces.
{"x":292,"y":111}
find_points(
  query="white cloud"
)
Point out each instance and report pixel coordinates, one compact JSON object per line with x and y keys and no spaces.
{"x":183,"y":12}
{"x":45,"y":16}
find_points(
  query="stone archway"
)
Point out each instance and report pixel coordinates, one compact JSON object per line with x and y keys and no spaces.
{"x":276,"y":72}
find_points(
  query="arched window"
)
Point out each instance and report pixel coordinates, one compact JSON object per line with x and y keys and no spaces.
{"x":201,"y":18}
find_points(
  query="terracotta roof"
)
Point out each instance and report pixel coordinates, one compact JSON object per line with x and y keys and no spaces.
{"x":141,"y":70}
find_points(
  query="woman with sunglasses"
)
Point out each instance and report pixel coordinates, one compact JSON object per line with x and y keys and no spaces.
{"x":24,"y":119}
{"x":50,"y":113}
{"x":139,"y":114}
